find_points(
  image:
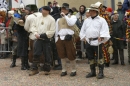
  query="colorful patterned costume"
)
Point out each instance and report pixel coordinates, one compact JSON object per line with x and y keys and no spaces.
{"x":127,"y":19}
{"x":106,"y":45}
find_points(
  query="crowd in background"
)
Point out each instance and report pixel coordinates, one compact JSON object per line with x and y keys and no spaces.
{"x":15,"y":38}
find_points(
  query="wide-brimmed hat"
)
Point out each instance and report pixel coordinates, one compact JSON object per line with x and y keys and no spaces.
{"x":65,"y":5}
{"x":94,"y":7}
{"x":119,"y":3}
{"x":99,"y":4}
{"x":115,"y":12}
{"x":104,"y":6}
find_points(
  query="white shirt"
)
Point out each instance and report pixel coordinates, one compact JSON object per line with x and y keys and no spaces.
{"x":94,"y":28}
{"x":29,"y":23}
{"x":43,"y":25}
{"x":65,"y":31}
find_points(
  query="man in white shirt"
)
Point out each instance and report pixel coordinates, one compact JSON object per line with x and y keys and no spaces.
{"x":95,"y":31}
{"x":28,"y":24}
{"x":64,"y":39}
{"x":43,"y":29}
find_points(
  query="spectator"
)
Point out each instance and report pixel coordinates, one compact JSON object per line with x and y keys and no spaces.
{"x":3,"y":41}
{"x":75,"y":11}
{"x":118,"y":32}
{"x":120,"y":11}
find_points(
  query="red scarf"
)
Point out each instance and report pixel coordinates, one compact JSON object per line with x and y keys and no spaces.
{"x":7,"y":23}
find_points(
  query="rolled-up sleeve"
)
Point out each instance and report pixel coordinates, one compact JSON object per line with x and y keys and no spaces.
{"x":71,"y":21}
{"x":82,"y":32}
{"x":33,"y":27}
{"x":104,"y":31}
{"x":51,"y":31}
{"x":27,"y":24}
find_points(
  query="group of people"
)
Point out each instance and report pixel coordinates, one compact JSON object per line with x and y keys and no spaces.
{"x":51,"y":33}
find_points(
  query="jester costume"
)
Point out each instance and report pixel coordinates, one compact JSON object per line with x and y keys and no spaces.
{"x":106,"y":45}
{"x":127,"y":19}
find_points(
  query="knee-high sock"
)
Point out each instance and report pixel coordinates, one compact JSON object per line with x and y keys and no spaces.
{"x":63,"y":61}
{"x":73,"y":65}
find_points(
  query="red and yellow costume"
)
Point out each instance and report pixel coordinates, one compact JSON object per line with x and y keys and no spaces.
{"x":106,"y":45}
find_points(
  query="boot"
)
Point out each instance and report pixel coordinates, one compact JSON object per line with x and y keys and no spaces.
{"x":93,"y":71}
{"x":100,"y":74}
{"x":107,"y":64}
{"x":23,"y":63}
{"x":27,"y":64}
{"x":13,"y":61}
{"x":34,"y":66}
{"x":33,"y":72}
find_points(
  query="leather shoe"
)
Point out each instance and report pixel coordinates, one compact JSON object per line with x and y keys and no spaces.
{"x":73,"y":74}
{"x":63,"y":73}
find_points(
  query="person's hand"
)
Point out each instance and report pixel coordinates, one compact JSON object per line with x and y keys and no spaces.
{"x":100,"y":39}
{"x":62,"y":14}
{"x":26,"y":16}
{"x":37,"y":36}
{"x":20,"y":21}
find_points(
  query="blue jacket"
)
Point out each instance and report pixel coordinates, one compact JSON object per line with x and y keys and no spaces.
{"x":17,"y":15}
{"x":126,"y":5}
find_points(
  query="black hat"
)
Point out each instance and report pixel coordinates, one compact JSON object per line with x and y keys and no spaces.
{"x":28,"y":8}
{"x":49,"y":3}
{"x":104,"y":6}
{"x":46,"y":8}
{"x":33,"y":7}
{"x":65,"y":5}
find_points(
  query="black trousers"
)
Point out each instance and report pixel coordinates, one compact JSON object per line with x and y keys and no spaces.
{"x":43,"y":46}
{"x":92,"y":51}
{"x":116,"y":56}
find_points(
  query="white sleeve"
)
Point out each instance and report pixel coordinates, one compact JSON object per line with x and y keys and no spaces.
{"x":104,"y":31}
{"x":52,"y":29}
{"x":56,"y":33}
{"x":82,"y":31}
{"x":27,"y":24}
{"x":71,"y":21}
{"x":34,"y":26}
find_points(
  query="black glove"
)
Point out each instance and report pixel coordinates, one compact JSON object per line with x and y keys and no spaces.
{"x":44,"y":36}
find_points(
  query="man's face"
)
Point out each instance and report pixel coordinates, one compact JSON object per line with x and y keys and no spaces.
{"x":119,"y":6}
{"x":115,"y":17}
{"x":9,"y":15}
{"x":87,"y":14}
{"x":64,"y":10}
{"x":103,"y":9}
{"x":22,"y":10}
{"x":45,"y":12}
{"x":50,"y":5}
{"x":0,"y":16}
{"x":81,"y":9}
{"x":92,"y":12}
{"x":27,"y":12}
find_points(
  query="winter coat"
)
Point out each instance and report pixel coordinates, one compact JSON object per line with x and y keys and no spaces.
{"x":118,"y":33}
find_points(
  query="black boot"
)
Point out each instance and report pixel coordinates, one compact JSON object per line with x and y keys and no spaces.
{"x":93,"y":71}
{"x":23,"y":63}
{"x":27,"y":64}
{"x":34,"y":66}
{"x":100,"y":74}
{"x":107,"y":64}
{"x":13,"y":61}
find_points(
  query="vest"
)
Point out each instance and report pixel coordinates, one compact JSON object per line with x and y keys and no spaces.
{"x":63,"y":24}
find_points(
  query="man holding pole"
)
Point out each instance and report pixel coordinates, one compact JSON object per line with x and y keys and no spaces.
{"x":95,"y":31}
